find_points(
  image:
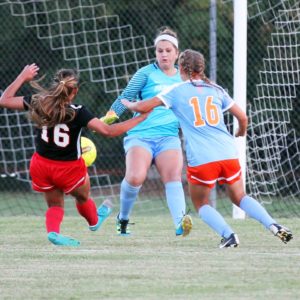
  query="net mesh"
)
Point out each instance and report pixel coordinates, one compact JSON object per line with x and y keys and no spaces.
{"x":273,"y":144}
{"x":88,"y":36}
{"x":107,"y":52}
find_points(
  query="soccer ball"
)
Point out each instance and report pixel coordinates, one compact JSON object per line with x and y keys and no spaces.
{"x":89,"y":151}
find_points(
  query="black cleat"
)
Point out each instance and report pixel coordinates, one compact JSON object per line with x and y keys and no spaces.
{"x":122,"y":226}
{"x":281,"y":232}
{"x":231,"y":241}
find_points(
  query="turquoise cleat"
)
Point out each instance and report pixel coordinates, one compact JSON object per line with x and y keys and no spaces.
{"x":61,"y":240}
{"x":103,"y":212}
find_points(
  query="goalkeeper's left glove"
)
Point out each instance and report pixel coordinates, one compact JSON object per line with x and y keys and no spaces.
{"x":110,"y":117}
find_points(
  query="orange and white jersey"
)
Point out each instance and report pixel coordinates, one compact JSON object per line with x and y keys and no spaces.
{"x":200,"y":111}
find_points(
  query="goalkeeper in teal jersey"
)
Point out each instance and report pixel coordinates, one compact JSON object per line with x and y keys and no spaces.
{"x":210,"y":149}
{"x":154,"y":140}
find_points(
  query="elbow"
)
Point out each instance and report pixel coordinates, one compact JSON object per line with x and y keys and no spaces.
{"x":245,"y":120}
{"x":110,"y":135}
{"x":109,"y":132}
{"x":106,"y":132}
{"x":141,"y":111}
{"x":101,"y":128}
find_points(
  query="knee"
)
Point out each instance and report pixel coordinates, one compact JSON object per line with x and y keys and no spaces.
{"x":81,"y":198}
{"x":135,"y":180}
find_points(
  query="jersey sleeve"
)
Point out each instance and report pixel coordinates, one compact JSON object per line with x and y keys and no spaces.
{"x":83,"y":115}
{"x":227,"y":101}
{"x":135,"y":85}
{"x":167,"y":95}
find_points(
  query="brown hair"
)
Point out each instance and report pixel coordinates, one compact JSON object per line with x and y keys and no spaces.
{"x":193,"y":63}
{"x":166,"y":30}
{"x":51,"y":106}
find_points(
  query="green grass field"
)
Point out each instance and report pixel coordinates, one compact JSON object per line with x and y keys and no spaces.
{"x":150,"y":264}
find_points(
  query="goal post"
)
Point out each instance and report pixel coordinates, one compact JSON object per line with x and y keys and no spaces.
{"x":240,"y":82}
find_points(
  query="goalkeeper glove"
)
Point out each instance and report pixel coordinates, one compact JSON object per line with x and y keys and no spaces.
{"x":110,"y":117}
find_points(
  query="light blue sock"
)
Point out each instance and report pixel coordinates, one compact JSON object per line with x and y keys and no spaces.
{"x":256,"y":211}
{"x":214,"y":220}
{"x":128,"y":196}
{"x":175,"y":200}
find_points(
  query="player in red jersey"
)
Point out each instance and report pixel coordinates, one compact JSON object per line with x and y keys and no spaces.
{"x":57,"y":168}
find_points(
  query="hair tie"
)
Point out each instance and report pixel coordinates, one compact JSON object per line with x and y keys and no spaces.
{"x":62,"y":82}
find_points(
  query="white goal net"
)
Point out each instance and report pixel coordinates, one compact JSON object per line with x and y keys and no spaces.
{"x":273,"y":160}
{"x":108,"y":53}
{"x":97,"y":46}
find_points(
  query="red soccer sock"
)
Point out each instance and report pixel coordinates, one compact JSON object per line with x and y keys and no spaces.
{"x":89,"y":211}
{"x":54,"y":216}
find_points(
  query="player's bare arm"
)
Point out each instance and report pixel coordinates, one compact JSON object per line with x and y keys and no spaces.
{"x":142,"y":106}
{"x":8,"y":98}
{"x":242,"y":118}
{"x":115,"y":129}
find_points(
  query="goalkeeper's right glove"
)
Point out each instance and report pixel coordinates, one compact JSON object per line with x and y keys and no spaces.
{"x":110,"y":117}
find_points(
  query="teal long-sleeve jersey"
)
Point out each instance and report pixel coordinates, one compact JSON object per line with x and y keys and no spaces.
{"x":146,"y":83}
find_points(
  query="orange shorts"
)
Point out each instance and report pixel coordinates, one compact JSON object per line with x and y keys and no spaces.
{"x":47,"y":174}
{"x":224,"y":171}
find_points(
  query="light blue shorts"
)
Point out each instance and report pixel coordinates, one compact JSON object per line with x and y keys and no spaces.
{"x":154,"y":145}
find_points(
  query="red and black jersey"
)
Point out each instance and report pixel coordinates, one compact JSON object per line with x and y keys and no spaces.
{"x":62,"y":142}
